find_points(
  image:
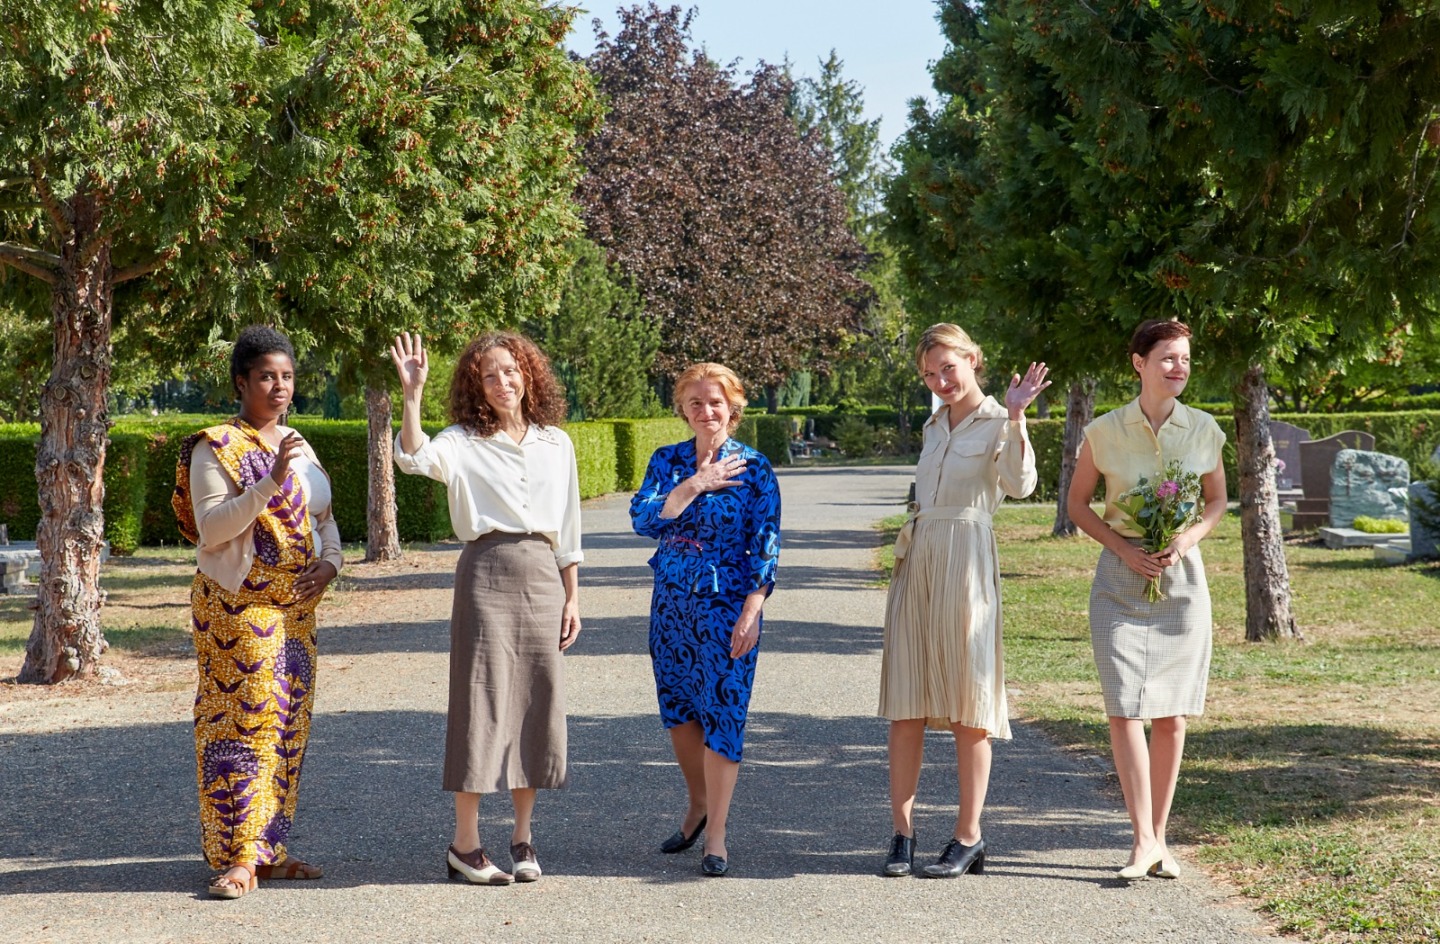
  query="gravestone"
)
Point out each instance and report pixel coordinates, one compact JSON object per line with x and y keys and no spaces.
{"x":1367,"y":483}
{"x":1316,"y":459}
{"x":1424,"y":543}
{"x":1287,"y":438}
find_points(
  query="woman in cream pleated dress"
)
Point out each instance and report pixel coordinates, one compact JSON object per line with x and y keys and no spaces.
{"x":1153,"y":658}
{"x":943,"y":664}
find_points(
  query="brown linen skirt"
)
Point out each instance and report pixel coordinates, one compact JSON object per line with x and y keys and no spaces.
{"x":506,"y":724}
{"x":1153,"y":658}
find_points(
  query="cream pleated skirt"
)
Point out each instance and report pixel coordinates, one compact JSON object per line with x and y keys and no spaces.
{"x":506,"y":722}
{"x":943,"y":659}
{"x":1153,"y":658}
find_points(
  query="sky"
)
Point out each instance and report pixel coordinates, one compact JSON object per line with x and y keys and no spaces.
{"x":887,"y":46}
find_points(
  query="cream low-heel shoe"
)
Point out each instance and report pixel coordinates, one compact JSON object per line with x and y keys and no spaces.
{"x":1144,"y":865}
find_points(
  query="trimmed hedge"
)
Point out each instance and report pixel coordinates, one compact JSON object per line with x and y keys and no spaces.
{"x":636,"y":440}
{"x":19,"y":504}
{"x":125,"y":486}
{"x":126,"y":477}
{"x":422,"y":511}
{"x":611,"y":455}
{"x":594,"y":456}
{"x":769,"y":433}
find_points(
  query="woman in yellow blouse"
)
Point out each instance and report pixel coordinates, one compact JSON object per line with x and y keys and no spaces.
{"x":942,"y":662}
{"x":1153,"y":658}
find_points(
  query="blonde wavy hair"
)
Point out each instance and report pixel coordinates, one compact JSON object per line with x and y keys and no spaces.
{"x":951,"y":336}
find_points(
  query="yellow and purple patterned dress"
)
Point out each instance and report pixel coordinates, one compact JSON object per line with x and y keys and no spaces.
{"x":255,"y":649}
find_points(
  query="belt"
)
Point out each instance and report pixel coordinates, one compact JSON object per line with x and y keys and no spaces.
{"x":940,"y":513}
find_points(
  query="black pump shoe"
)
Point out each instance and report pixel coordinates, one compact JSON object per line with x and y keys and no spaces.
{"x":956,"y":859}
{"x":680,"y":842}
{"x":902,"y":857}
{"x":714,"y":866}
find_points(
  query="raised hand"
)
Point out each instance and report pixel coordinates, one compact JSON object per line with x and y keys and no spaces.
{"x":1023,"y":391}
{"x":285,"y":453}
{"x":411,"y":362}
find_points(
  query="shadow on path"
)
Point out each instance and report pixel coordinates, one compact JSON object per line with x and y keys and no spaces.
{"x":811,"y":800}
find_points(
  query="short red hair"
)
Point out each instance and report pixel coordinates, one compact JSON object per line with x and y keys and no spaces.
{"x":542,"y":404}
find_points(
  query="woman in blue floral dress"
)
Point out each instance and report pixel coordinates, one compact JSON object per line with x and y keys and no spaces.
{"x":714,"y":505}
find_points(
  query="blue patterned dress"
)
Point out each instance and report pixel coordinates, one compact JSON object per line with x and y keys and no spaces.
{"x":721,"y":548}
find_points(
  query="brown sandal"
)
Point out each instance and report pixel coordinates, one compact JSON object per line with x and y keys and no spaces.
{"x":225,"y":885}
{"x":290,"y":869}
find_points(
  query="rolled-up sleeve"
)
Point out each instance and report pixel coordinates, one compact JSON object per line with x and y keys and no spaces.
{"x":1015,"y":461}
{"x":567,"y":546}
{"x":435,"y":459}
{"x":648,"y":502}
{"x":762,"y":545}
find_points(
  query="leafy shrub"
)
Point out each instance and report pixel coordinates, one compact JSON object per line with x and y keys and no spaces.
{"x":1380,"y":525}
{"x":855,"y":437}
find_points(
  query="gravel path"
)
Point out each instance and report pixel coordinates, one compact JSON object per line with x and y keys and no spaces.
{"x":98,"y":838}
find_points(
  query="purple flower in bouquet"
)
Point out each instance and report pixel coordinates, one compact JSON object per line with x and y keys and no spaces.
{"x":1161,"y":510}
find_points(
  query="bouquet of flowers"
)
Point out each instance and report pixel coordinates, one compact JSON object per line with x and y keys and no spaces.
{"x":1160,"y":510}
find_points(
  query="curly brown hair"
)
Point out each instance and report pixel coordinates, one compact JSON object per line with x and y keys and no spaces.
{"x":543,"y":402}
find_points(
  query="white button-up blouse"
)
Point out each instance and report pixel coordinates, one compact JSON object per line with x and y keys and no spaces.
{"x":495,"y":485}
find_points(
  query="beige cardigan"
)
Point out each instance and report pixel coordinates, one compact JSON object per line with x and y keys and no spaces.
{"x":225,"y":518}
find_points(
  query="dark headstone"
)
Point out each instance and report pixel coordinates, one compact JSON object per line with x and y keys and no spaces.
{"x":1288,"y":437}
{"x":1317,"y":457}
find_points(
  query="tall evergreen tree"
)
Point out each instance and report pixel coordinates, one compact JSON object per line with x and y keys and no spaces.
{"x":128,"y":135}
{"x":601,"y":340}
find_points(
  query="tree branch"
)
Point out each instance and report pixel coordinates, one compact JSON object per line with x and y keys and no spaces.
{"x":30,"y":261}
{"x":142,"y":268}
{"x":58,"y":216}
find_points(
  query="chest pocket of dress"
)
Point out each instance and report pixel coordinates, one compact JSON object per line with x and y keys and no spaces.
{"x":969,"y":455}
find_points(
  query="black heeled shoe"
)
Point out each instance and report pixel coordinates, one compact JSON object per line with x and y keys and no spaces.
{"x":902,"y":857}
{"x":680,"y":842}
{"x":714,"y":866}
{"x":956,"y":859}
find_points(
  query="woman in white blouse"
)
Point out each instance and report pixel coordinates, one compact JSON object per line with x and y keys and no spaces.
{"x":943,"y":665}
{"x":514,"y":494}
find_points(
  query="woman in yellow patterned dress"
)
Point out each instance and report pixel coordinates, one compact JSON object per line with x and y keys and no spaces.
{"x":253,"y":498}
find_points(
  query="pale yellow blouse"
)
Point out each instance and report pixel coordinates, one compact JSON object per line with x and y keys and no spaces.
{"x":1126,"y":449}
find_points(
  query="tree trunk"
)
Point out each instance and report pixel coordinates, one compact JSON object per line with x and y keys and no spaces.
{"x":1079,"y":411}
{"x":382,"y":538}
{"x":1267,"y":578}
{"x":772,"y":399}
{"x":1042,"y":406}
{"x":69,"y":468}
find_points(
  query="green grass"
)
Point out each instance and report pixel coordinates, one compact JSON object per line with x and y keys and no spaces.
{"x":1313,"y":779}
{"x":133,"y":619}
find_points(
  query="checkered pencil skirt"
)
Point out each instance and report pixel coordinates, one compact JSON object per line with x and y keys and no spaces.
{"x":1153,"y":658}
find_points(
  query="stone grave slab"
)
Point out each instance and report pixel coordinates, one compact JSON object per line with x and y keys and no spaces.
{"x":1368,"y":483}
{"x":1287,"y":438}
